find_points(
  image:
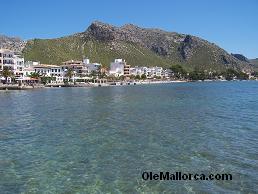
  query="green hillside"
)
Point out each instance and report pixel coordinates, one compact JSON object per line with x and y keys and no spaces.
{"x":56,"y":51}
{"x":138,"y":46}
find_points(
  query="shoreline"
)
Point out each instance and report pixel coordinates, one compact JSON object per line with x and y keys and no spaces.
{"x":109,"y":84}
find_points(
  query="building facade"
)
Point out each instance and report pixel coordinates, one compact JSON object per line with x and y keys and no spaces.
{"x":6,"y":59}
{"x":14,"y":62}
{"x":53,"y":71}
{"x":119,"y":68}
{"x":77,"y":67}
{"x":93,"y":68}
{"x":151,"y":72}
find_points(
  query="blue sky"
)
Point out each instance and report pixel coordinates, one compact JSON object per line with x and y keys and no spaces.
{"x":232,"y":24}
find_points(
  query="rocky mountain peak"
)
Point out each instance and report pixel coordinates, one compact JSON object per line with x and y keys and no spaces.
{"x":130,"y":27}
{"x":12,"y":43}
{"x":102,"y":31}
{"x":148,"y":38}
{"x":98,"y":24}
{"x":240,"y":57}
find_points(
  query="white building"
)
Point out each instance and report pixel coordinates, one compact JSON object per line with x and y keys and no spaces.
{"x":137,"y":70}
{"x":26,"y":71}
{"x":31,"y":63}
{"x":18,"y":66}
{"x":119,"y":68}
{"x":93,"y":67}
{"x":155,"y":72}
{"x":150,"y":72}
{"x":167,"y":73}
{"x":6,"y":59}
{"x":54,"y":71}
{"x":13,"y":62}
{"x":86,"y":61}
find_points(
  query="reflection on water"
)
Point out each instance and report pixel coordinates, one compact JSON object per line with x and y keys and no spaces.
{"x":92,"y":140}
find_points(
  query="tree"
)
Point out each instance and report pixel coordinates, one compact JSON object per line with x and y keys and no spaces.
{"x":34,"y":75}
{"x":98,"y":71}
{"x":102,"y":75}
{"x":137,"y":77}
{"x":132,"y":77}
{"x":46,"y":80}
{"x":179,"y":71}
{"x":7,"y":73}
{"x":193,"y":75}
{"x":255,"y":74}
{"x":94,"y":74}
{"x":143,"y":76}
{"x":242,"y":76}
{"x":111,"y":77}
{"x":69,"y":74}
{"x":121,"y":77}
{"x":198,"y":75}
{"x":230,"y":74}
{"x":157,"y":77}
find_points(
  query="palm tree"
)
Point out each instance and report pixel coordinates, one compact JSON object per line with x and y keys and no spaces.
{"x":34,"y":75}
{"x":69,"y":74}
{"x":6,"y":73}
{"x":98,"y":71}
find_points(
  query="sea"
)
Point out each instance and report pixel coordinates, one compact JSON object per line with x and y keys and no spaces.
{"x":102,"y":139}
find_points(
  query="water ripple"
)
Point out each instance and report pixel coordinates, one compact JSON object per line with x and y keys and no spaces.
{"x":95,"y":140}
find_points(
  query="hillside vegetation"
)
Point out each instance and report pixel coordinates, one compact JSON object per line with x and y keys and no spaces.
{"x":139,"y":46}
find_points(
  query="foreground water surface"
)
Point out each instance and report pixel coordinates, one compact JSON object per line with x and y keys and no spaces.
{"x":100,"y":140}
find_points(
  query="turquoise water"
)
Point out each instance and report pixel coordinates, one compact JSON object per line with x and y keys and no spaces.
{"x":100,"y":140}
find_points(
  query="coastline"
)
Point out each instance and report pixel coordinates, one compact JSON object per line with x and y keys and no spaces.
{"x":17,"y":87}
{"x":109,"y":84}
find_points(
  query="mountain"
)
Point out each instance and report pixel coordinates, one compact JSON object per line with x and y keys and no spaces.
{"x":240,"y":57}
{"x":139,"y":46}
{"x":12,"y":43}
{"x":254,"y":63}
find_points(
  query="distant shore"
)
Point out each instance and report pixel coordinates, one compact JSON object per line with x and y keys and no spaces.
{"x":17,"y":87}
{"x":87,"y":85}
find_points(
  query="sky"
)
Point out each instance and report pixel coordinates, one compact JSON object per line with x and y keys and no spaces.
{"x":231,"y":24}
